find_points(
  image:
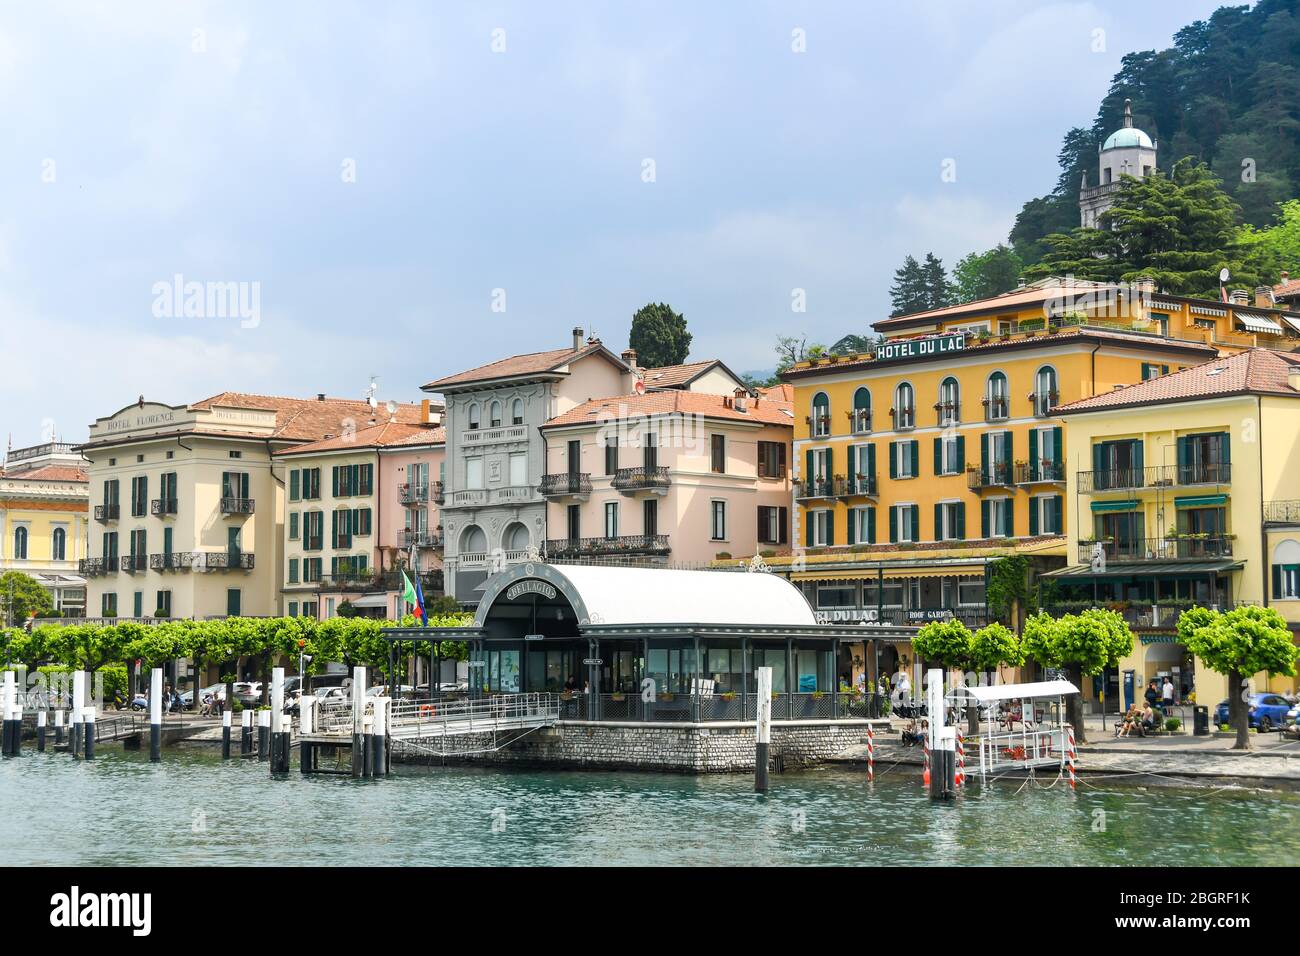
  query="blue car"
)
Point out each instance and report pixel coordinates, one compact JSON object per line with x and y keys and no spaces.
{"x":1266,"y":711}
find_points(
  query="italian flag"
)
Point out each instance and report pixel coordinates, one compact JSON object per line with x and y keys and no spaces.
{"x":411,"y":598}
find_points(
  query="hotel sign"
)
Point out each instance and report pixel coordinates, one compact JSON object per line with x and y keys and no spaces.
{"x":921,"y":348}
{"x":921,"y":614}
{"x":530,"y":586}
{"x":847,"y":615}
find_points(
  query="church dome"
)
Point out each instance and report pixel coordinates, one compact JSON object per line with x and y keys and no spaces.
{"x":1128,"y":136}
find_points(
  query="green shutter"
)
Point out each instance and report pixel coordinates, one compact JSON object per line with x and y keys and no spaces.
{"x":916,"y":457}
{"x":871,"y":461}
{"x":1009,"y":512}
{"x":853,"y":464}
{"x":1058,"y":514}
{"x":334,"y":529}
{"x":984,"y":519}
{"x":961,"y":453}
{"x":1033,"y":454}
{"x":1225,"y":447}
{"x":1034,"y":505}
{"x":916,"y":523}
{"x":808,"y":528}
{"x":938,"y":456}
{"x":830,"y":528}
{"x":984,"y":453}
{"x":1137,"y":458}
{"x":1058,"y":452}
{"x":871,"y":526}
{"x":830,"y":463}
{"x":808,"y":468}
{"x":961,"y":520}
{"x":893,"y":460}
{"x":938,"y":522}
{"x":1277,"y":582}
{"x":334,"y":488}
{"x":893,"y":523}
{"x":294,"y":478}
{"x":853,"y":526}
{"x":1099,"y":462}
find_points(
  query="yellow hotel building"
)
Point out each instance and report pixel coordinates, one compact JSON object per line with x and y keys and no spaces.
{"x":921,"y":464}
{"x":1187,"y":491}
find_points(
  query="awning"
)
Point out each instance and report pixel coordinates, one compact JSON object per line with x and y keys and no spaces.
{"x":1144,"y":569}
{"x":370,"y":600}
{"x":1258,"y":323}
{"x":870,"y":573}
{"x":1293,"y":322}
{"x":49,"y":580}
{"x":1128,"y":505}
{"x":1200,"y":501}
{"x":996,"y":692}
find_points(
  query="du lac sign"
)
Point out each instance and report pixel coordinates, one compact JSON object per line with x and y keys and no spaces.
{"x":918,"y":348}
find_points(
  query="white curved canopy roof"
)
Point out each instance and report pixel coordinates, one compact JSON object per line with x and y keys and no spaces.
{"x":666,"y":596}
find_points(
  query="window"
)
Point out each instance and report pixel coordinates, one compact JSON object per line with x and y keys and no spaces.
{"x":313,"y":529}
{"x":58,"y":545}
{"x":234,"y":486}
{"x":167,"y":491}
{"x":995,"y":458}
{"x":233,"y":602}
{"x":1203,"y":459}
{"x":138,"y":550}
{"x":773,"y":525}
{"x":110,"y":547}
{"x":1286,"y":582}
{"x":949,"y":455}
{"x":361,"y":521}
{"x":611,"y":456}
{"x":718,"y":454}
{"x":861,"y":411}
{"x":1046,"y":396}
{"x":518,"y":469}
{"x":862,"y":525}
{"x":997,"y":405}
{"x":474,"y":473}
{"x":293,"y":526}
{"x":494,"y":415}
{"x":310,"y":608}
{"x":293,"y":570}
{"x":473,"y":416}
{"x":904,"y":523}
{"x":904,"y":406}
{"x":167,"y":541}
{"x":650,"y":517}
{"x":1046,"y":462}
{"x":293,"y":608}
{"x":771,"y":459}
{"x":904,"y":459}
{"x":611,"y":519}
{"x":718,"y":512}
{"x":1151,"y":370}
{"x":574,"y":522}
{"x":311,"y":484}
{"x":650,"y":451}
{"x":341,"y":528}
{"x":137,"y":604}
{"x":996,"y":518}
{"x":949,"y":407}
{"x":108,"y":605}
{"x":236,"y":454}
{"x":821,"y":415}
{"x":970,"y":592}
{"x":821,"y":528}
{"x":1118,"y":464}
{"x":163,"y":604}
{"x":1046,"y":514}
{"x":311,"y":570}
{"x":836,"y":595}
{"x":950,"y":521}
{"x":139,"y":496}
{"x":20,"y":543}
{"x":110,"y":498}
{"x":1122,"y":534}
{"x":517,"y":412}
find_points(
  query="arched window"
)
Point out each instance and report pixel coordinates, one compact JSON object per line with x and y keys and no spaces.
{"x":20,"y":544}
{"x":473,"y":541}
{"x":949,"y":401}
{"x":494,"y":415}
{"x":996,"y":402}
{"x":517,"y":412}
{"x":59,"y":545}
{"x":473,"y":414}
{"x":516,"y":537}
{"x":821,"y":415}
{"x":904,"y":406}
{"x":1045,"y":393}
{"x":861,"y":411}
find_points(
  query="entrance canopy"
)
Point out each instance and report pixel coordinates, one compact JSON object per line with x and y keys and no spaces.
{"x":1000,"y":692}
{"x":1130,"y":569}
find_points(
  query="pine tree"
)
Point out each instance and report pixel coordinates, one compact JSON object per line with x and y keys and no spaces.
{"x":909,"y":293}
{"x":938,"y":290}
{"x":981,"y":275}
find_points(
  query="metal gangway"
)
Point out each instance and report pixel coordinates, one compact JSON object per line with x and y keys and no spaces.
{"x":411,"y":720}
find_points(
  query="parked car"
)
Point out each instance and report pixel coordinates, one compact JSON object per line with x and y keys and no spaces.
{"x":1266,"y":711}
{"x":218,"y":692}
{"x":248,"y":692}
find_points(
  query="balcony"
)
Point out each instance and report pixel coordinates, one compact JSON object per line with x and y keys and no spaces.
{"x":1139,"y":615}
{"x":1190,"y":547}
{"x":472,"y":498}
{"x":437,"y":493}
{"x":410,"y":493}
{"x":172,"y":561}
{"x":90,"y":567}
{"x":1155,"y":476}
{"x":860,"y":421}
{"x":236,"y":506}
{"x":630,"y":544}
{"x":421,"y":539}
{"x":1044,"y":402}
{"x":903,"y":418}
{"x":1044,"y":472}
{"x":515,"y":494}
{"x":1282,"y":512}
{"x":134,"y":562}
{"x":819,"y":426}
{"x":363,"y":579}
{"x":947,"y":413}
{"x":997,"y":475}
{"x":575,"y":486}
{"x":224,"y":560}
{"x":476,"y":437}
{"x":107,"y":512}
{"x":162,"y":506}
{"x":997,"y":409}
{"x":633,"y":480}
{"x":859,"y":486}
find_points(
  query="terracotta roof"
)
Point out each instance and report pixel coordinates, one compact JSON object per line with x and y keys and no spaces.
{"x":308,"y":419}
{"x":671,"y":376}
{"x":779,"y":393}
{"x":49,"y":473}
{"x":1072,"y":333}
{"x":1040,"y":291}
{"x":764,"y":411}
{"x":383,"y":435}
{"x":1285,"y":290}
{"x":533,"y":363}
{"x":1253,"y":372}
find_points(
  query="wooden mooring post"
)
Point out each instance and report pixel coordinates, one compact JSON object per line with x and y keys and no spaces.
{"x":246,"y":733}
{"x":40,"y":730}
{"x":306,"y":727}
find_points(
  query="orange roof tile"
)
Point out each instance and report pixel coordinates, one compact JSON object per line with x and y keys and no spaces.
{"x":1253,"y":372}
{"x":49,"y":473}
{"x":383,"y":435}
{"x":533,"y":363}
{"x":762,"y":411}
{"x":308,"y":419}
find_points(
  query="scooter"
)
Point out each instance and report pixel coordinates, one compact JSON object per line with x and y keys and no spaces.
{"x":139,"y":702}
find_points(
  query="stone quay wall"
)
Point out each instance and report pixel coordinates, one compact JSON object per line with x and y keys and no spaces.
{"x":672,"y":748}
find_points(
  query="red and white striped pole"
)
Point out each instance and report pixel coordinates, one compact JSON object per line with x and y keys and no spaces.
{"x":1070,"y":755}
{"x":925,"y":777}
{"x":961,"y":761}
{"x":871,"y":754}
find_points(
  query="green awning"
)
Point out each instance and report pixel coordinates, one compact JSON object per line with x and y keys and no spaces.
{"x":1145,"y":569}
{"x":1200,"y":501}
{"x":1129,"y":505}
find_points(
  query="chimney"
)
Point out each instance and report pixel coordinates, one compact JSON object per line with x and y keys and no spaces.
{"x":1286,"y":276}
{"x":1146,"y":285}
{"x":1239,"y":297}
{"x":629,"y":358}
{"x":320,"y":396}
{"x":742,"y":397}
{"x":1020,"y":283}
{"x":577,"y":338}
{"x":1264,"y":297}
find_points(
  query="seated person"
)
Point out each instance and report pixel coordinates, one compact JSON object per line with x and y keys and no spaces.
{"x":1149,"y":719}
{"x":1129,"y":723}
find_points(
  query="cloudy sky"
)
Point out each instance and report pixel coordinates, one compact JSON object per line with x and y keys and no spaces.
{"x":379,"y":179}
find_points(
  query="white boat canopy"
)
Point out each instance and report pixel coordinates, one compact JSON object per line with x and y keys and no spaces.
{"x":999,"y":692}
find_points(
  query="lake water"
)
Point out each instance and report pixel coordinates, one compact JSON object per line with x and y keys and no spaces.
{"x":195,"y":809}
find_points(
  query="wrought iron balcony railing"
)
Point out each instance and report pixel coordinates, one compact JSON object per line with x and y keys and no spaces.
{"x":437,"y":492}
{"x":860,"y":421}
{"x":107,"y":512}
{"x":236,"y":506}
{"x":997,"y":409}
{"x":997,"y":475}
{"x":1155,"y":476}
{"x":1178,"y":547}
{"x":163,"y":506}
{"x":565,"y":485}
{"x":641,"y":479}
{"x":225,"y":560}
{"x":421,"y":539}
{"x":1040,"y":471}
{"x":90,"y":567}
{"x":840,"y":487}
{"x":623,"y":544}
{"x":172,"y":561}
{"x":412,"y":492}
{"x":135,"y":562}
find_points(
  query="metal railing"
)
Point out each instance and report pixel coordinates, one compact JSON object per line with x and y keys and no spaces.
{"x":163,"y":506}
{"x":641,"y":479}
{"x":421,"y":539}
{"x":1155,"y":476}
{"x":135,"y":562}
{"x":566,"y":484}
{"x":904,"y":418}
{"x":1175,"y":548}
{"x":90,"y":567}
{"x":108,"y":512}
{"x":999,"y":474}
{"x":947,"y":413}
{"x":236,"y":506}
{"x":223,"y":560}
{"x":437,"y":492}
{"x":444,"y":718}
{"x":1044,"y":403}
{"x":1137,"y":614}
{"x":1046,"y":470}
{"x":1282,"y":512}
{"x":411,"y":492}
{"x":720,"y":706}
{"x":997,"y":409}
{"x":860,"y":421}
{"x":851,"y":487}
{"x":624,"y":544}
{"x":172,"y":561}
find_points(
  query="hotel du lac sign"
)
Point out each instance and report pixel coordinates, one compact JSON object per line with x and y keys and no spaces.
{"x":920,"y":348}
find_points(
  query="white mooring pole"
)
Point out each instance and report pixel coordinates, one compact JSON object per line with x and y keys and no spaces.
{"x":762,"y":729}
{"x":942,"y":740}
{"x":155,"y":714}
{"x":78,"y":702}
{"x":358,"y":719}
{"x":279,"y":724}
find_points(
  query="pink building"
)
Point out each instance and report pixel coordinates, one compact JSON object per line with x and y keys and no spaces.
{"x":672,"y":476}
{"x":412,"y":476}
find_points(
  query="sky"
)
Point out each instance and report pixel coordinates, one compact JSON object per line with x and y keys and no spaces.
{"x":404,"y":190}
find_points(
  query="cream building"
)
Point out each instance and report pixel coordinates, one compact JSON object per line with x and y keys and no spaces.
{"x":188,"y":501}
{"x":44,"y":492}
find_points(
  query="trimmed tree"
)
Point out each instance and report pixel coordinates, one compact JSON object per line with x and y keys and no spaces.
{"x":1082,"y":644}
{"x":1239,"y":643}
{"x":659,"y":336}
{"x":21,"y":596}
